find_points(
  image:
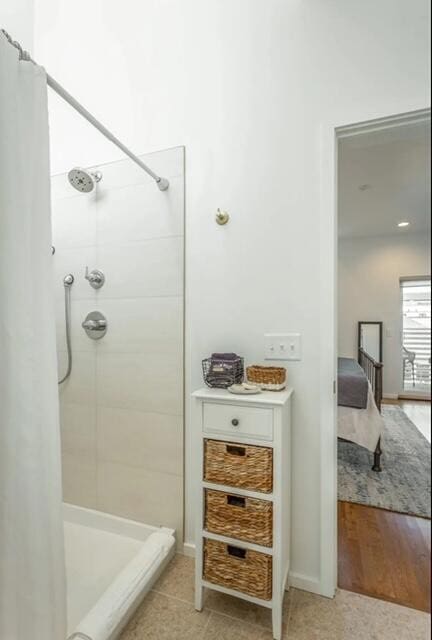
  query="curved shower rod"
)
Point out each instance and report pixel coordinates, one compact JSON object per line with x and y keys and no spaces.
{"x":162,"y":183}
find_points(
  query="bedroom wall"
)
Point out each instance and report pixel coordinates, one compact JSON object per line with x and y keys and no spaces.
{"x":246,"y":86}
{"x":369,"y":272}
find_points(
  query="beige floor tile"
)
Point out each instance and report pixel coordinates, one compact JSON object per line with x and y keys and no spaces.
{"x":393,"y":621}
{"x":178,"y":582}
{"x":178,"y":579}
{"x":167,"y":613}
{"x":241,"y":609}
{"x":164,"y":618}
{"x":223,"y":628}
{"x":352,"y":617}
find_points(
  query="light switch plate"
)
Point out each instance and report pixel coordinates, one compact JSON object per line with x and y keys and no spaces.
{"x":283,"y":346}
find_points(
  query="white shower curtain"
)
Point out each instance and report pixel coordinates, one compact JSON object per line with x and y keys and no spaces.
{"x":32,"y":575}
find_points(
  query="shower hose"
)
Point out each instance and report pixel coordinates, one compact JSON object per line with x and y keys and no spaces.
{"x":68,"y":282}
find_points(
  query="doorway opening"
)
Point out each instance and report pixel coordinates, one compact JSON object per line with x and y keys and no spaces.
{"x":382,"y":344}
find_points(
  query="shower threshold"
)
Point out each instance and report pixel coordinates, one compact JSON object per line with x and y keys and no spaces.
{"x":111,"y":563}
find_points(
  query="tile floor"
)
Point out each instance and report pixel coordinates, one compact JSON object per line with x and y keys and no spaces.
{"x":168,"y":614}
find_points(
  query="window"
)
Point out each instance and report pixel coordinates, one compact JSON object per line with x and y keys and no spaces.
{"x":416,"y":334}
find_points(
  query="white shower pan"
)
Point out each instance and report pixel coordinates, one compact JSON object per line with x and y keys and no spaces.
{"x":111,"y":563}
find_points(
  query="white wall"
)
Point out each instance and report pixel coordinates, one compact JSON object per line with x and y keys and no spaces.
{"x":246,"y":86}
{"x":369,"y":273}
{"x":17,"y":18}
{"x":122,"y":407}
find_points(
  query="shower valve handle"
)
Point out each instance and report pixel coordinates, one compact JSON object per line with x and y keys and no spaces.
{"x":94,"y":325}
{"x":96,"y":278}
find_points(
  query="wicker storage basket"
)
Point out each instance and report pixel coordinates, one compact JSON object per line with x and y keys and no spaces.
{"x":239,"y":465}
{"x":238,"y":517}
{"x":240,"y":569}
{"x":270,"y":378}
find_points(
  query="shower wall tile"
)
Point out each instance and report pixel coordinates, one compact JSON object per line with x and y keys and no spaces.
{"x":152,"y":441}
{"x":152,"y":268}
{"x":74,"y":221}
{"x":122,"y":409}
{"x":79,"y":310}
{"x":143,"y":382}
{"x":146,"y":496}
{"x":78,"y":431}
{"x":143,"y":325}
{"x":79,"y":481}
{"x":60,"y":188}
{"x":149,"y":213}
{"x":80,"y":388}
{"x":73,"y":261}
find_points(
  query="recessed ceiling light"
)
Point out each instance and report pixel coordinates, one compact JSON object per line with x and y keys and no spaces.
{"x":404,"y":224}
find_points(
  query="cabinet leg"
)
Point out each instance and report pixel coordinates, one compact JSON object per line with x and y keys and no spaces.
{"x":199,"y":596}
{"x":277,"y":622}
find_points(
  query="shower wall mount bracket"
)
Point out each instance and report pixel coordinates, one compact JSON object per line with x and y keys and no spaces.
{"x":95,"y":325}
{"x":96,"y":278}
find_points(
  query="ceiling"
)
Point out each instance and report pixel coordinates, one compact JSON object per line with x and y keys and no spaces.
{"x":384,"y":179}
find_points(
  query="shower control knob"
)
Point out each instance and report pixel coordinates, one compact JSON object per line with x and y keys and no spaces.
{"x":95,"y":325}
{"x":96,"y":278}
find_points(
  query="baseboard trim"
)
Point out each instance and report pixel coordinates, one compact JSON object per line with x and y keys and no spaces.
{"x":296,"y":580}
{"x":391,"y":396}
{"x":306,"y":583}
{"x":189,"y":549}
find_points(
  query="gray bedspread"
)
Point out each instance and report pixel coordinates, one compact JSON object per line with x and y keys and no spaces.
{"x":352,"y":384}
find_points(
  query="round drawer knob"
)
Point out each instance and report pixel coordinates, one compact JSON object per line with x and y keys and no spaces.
{"x":235,"y":422}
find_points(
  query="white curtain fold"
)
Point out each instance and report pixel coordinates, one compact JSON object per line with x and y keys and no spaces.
{"x":32,"y":574}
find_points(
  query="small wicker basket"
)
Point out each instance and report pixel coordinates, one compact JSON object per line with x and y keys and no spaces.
{"x":238,"y":517}
{"x":269,"y":378}
{"x":240,"y":569}
{"x":239,"y":465}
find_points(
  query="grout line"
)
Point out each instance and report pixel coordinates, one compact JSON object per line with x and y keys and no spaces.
{"x":214,"y":611}
{"x":207,"y":624}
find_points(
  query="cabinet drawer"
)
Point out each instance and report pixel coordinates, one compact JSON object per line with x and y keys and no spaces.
{"x":238,"y":465}
{"x":249,"y":519}
{"x":252,"y":422}
{"x":236,"y":568}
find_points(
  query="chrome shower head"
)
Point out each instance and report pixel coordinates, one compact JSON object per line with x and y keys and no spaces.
{"x":83,"y":180}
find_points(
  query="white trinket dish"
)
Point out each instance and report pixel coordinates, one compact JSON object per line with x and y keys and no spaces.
{"x":244,"y":389}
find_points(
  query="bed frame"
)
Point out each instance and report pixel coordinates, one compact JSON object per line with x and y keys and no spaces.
{"x":374,"y":373}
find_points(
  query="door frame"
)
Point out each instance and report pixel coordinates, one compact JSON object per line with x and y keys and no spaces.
{"x":409,"y":394}
{"x":330,"y":136}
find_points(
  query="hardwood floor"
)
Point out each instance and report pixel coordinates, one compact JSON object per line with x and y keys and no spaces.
{"x":383,"y":554}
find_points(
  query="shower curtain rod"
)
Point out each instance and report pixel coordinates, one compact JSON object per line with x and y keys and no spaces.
{"x":162,"y":183}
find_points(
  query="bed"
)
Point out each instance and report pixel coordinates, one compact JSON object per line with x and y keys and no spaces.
{"x":359,"y":403}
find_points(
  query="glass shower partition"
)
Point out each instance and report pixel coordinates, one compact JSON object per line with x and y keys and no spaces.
{"x":122,"y":407}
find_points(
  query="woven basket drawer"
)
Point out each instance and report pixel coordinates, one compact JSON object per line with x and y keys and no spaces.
{"x":243,"y":570}
{"x":238,"y":517}
{"x":239,"y":465}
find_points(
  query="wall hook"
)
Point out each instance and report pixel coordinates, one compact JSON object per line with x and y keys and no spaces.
{"x":222,"y":217}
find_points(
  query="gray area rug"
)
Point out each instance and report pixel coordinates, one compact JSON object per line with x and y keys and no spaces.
{"x":404,"y":484}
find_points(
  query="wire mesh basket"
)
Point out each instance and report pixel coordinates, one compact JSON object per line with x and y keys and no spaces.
{"x":222,"y":370}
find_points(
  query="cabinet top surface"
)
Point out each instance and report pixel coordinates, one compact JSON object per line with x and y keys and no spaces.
{"x":272,"y":398}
